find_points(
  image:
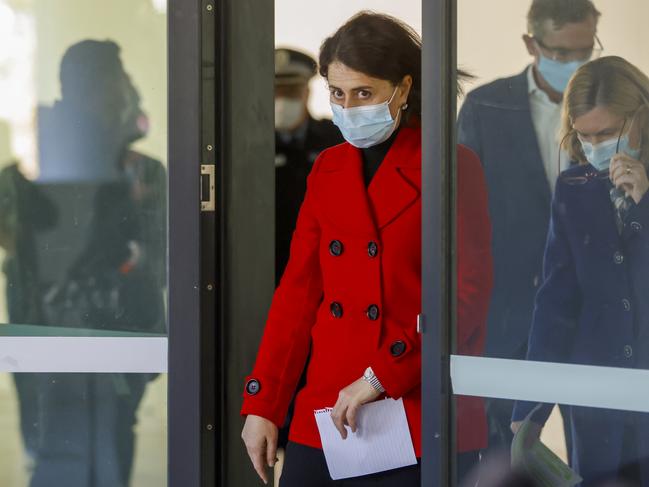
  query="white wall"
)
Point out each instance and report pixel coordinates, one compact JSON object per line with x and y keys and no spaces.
{"x":489,"y":32}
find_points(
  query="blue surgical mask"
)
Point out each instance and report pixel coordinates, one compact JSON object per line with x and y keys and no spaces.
{"x":365,"y":126}
{"x":556,"y":73}
{"x":599,"y":155}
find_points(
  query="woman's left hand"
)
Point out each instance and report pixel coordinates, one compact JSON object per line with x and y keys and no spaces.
{"x":349,"y":400}
{"x":630,"y":175}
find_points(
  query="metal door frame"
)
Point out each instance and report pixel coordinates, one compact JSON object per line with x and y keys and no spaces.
{"x":438,"y":153}
{"x":184,"y":128}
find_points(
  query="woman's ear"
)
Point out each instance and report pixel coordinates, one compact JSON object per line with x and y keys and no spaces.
{"x":528,"y":40}
{"x":406,"y":86}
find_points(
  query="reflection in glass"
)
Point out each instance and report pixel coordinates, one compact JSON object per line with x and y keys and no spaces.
{"x":512,"y":124}
{"x":81,"y":444}
{"x":583,"y":217}
{"x":116,"y":279}
{"x":591,"y":308}
{"x":82,"y":225}
{"x":83,"y":204}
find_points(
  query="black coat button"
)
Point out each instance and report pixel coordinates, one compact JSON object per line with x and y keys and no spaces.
{"x":373,"y":312}
{"x":628,"y":351}
{"x":626,"y":304}
{"x":372,"y":249}
{"x":618,"y":257}
{"x":336,"y":310}
{"x":636,"y":227}
{"x":253,"y":387}
{"x":336,"y":248}
{"x":397,"y":348}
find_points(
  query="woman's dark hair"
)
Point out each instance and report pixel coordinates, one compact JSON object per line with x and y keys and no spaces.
{"x":379,"y":46}
{"x":382,"y":47}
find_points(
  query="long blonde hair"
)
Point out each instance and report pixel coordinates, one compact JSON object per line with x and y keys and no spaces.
{"x":613,"y":83}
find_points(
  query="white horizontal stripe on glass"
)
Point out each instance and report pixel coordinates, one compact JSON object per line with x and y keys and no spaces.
{"x":578,"y":385}
{"x":83,"y":354}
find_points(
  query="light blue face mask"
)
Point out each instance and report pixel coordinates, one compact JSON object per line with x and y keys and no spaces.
{"x":599,"y":155}
{"x":556,"y":73}
{"x":366,"y":126}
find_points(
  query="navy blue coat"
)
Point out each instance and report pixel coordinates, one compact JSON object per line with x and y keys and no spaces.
{"x":495,"y":121}
{"x":592,"y":308}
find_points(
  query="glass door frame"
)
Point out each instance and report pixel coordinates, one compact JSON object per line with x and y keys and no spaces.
{"x":184,"y":149}
{"x":443,"y":373}
{"x":179,"y":353}
{"x":223,"y":278}
{"x":438,"y":154}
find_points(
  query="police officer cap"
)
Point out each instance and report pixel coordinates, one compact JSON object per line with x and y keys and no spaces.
{"x":293,"y":67}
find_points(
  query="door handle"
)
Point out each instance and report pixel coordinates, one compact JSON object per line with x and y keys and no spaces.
{"x":208,"y":187}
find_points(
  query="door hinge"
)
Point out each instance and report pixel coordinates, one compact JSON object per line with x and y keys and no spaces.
{"x":208,"y":187}
{"x":420,"y":323}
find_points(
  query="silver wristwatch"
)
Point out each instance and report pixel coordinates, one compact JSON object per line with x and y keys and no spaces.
{"x":373,"y":380}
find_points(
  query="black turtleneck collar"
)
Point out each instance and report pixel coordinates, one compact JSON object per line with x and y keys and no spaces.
{"x":374,"y":156}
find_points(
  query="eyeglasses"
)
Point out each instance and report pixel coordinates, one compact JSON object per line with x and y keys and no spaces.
{"x":588,"y":176}
{"x":566,"y":55}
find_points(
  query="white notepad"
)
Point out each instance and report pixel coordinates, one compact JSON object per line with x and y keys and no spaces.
{"x":382,"y":441}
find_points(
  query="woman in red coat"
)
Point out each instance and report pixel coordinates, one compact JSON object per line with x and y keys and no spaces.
{"x":351,"y":292}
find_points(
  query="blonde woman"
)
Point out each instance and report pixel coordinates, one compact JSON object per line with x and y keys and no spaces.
{"x":592,"y":307}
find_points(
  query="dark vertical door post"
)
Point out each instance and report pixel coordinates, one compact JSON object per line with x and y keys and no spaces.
{"x":221,"y":262}
{"x":438,"y":66}
{"x":247,"y":173}
{"x":184,"y":216}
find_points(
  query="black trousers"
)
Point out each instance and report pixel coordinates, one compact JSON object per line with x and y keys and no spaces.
{"x":306,"y":467}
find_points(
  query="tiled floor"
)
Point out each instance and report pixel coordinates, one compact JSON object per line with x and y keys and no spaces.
{"x":150,"y":459}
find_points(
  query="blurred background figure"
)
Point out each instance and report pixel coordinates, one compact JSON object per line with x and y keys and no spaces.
{"x":83,"y":135}
{"x":116,"y":281}
{"x":24,"y":211}
{"x":513,"y":124}
{"x":299,"y":139}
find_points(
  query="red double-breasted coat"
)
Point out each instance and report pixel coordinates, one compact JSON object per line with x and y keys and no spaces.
{"x":351,"y":291}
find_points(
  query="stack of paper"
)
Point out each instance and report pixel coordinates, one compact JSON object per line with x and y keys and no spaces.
{"x":382,"y":441}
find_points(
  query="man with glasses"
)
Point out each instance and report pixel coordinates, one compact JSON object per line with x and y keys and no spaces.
{"x":513,"y":125}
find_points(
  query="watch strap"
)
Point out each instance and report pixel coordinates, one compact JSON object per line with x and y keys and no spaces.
{"x":373,"y":380}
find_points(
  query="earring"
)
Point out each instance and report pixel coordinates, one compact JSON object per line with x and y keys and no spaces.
{"x":404,"y":107}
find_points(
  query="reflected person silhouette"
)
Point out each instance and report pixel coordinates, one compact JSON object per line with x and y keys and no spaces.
{"x":24,"y":211}
{"x":512,"y":124}
{"x":116,"y":281}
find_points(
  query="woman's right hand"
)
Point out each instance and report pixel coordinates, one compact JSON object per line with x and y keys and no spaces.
{"x":260,"y":438}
